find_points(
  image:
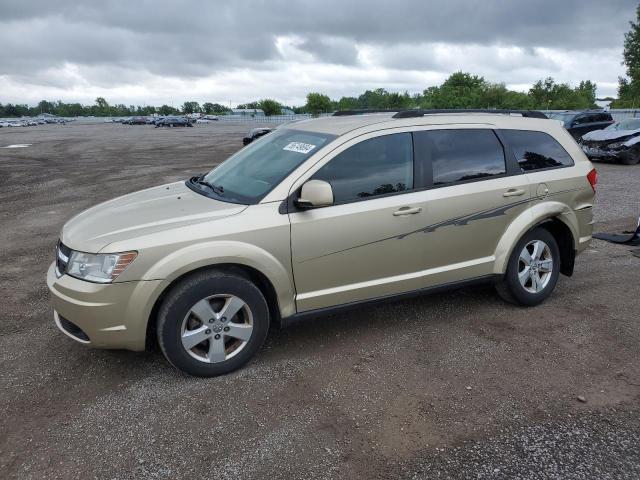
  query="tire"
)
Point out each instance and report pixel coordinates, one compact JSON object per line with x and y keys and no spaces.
{"x":527,"y":291}
{"x":226,"y":344}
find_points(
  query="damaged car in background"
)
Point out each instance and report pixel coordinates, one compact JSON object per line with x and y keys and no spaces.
{"x":254,"y":134}
{"x":619,"y":142}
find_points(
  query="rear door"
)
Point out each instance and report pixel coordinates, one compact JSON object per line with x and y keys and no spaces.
{"x":476,"y":192}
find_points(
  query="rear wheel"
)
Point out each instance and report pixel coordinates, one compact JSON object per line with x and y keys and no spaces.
{"x":212,"y":323}
{"x":533,"y":269}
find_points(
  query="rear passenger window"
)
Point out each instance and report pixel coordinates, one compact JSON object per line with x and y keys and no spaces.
{"x":371,"y":168}
{"x":536,"y":150}
{"x":462,"y":155}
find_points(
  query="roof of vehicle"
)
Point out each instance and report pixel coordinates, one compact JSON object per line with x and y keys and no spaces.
{"x":340,"y":125}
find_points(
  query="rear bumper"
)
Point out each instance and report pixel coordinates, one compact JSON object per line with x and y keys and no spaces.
{"x":102,"y":315}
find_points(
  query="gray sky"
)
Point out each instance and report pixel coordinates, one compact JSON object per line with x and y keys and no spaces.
{"x":158,"y":51}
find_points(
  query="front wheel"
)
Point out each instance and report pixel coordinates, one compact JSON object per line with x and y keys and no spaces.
{"x":533,"y":269}
{"x":212,"y":323}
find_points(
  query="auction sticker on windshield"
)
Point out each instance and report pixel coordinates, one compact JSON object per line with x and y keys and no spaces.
{"x":299,"y":147}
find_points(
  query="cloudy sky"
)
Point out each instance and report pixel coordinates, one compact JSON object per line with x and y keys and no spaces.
{"x":156,"y":51}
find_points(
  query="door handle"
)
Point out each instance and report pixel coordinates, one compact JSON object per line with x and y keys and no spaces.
{"x":514,"y":192}
{"x":407,"y":211}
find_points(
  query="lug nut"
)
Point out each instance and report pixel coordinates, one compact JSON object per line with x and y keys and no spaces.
{"x":207,"y":331}
{"x":226,"y":329}
{"x":217,"y":337}
{"x":223,"y":319}
{"x":211,"y":320}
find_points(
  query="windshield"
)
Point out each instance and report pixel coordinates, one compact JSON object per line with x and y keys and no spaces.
{"x":627,"y":124}
{"x":254,"y":171}
{"x":565,"y":117}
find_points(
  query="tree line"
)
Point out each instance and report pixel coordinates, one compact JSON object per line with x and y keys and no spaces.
{"x":460,"y":90}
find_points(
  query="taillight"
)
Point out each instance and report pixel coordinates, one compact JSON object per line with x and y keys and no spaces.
{"x":592,"y":176}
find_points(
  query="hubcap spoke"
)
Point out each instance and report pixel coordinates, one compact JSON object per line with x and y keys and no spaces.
{"x":191,"y":338}
{"x":203,"y":310}
{"x":216,"y":350}
{"x":524,"y":275}
{"x":537,"y":250}
{"x":525,"y":257}
{"x":239,"y":331}
{"x":232,"y":306}
{"x":536,"y":282}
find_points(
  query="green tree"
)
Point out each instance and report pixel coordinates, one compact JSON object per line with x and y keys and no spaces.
{"x":629,"y":89}
{"x":270,"y":107}
{"x":167,"y":110}
{"x":249,"y":106}
{"x":214,"y":108}
{"x":317,"y":103}
{"x":191,"y":107}
{"x":547,"y":94}
{"x":348,"y":103}
{"x":101,"y":107}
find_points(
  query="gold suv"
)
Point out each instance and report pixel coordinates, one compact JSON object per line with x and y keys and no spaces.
{"x":320,"y":215}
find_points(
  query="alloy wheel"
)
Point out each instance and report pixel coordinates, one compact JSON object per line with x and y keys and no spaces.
{"x":217,"y":328}
{"x":535,"y":266}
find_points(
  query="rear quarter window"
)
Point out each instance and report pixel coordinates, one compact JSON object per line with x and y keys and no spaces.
{"x":536,"y":150}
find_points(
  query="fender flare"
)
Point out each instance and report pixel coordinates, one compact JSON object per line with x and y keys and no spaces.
{"x":526,"y":221}
{"x":210,"y":254}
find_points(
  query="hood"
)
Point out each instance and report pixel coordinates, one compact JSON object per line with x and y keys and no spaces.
{"x":140,"y":213}
{"x":609,"y":135}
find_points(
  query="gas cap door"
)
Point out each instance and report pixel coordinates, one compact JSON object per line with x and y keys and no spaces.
{"x":543,"y":191}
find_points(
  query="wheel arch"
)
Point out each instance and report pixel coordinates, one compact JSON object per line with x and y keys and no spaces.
{"x":555,"y":217}
{"x":268,"y":273}
{"x":250,"y":273}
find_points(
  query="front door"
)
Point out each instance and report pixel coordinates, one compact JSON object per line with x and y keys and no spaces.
{"x":356,"y":249}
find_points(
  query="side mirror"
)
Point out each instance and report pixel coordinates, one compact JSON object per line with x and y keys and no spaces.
{"x":315,"y":193}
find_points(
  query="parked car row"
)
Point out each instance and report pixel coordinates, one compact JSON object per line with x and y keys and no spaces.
{"x":168,"y":121}
{"x":30,"y":122}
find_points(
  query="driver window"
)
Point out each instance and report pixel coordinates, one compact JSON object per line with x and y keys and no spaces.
{"x":371,"y":168}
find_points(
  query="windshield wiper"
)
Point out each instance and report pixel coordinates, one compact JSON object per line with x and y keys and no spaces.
{"x":216,"y":188}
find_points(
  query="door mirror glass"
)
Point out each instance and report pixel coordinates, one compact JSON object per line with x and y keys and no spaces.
{"x":315,"y":193}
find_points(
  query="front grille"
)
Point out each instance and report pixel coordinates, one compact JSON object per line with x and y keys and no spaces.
{"x":597,"y":144}
{"x":73,"y":329}
{"x":62,"y":258}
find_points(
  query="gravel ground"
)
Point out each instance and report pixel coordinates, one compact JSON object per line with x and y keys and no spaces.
{"x":455,"y":385}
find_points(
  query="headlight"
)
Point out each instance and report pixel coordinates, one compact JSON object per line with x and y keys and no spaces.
{"x":99,"y":267}
{"x":616,"y":146}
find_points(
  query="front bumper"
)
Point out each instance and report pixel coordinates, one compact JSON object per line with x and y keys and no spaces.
{"x":113,"y":315}
{"x":597,"y":152}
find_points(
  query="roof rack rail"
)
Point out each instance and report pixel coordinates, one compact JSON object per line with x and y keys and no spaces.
{"x":422,"y":113}
{"x":345,"y":113}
